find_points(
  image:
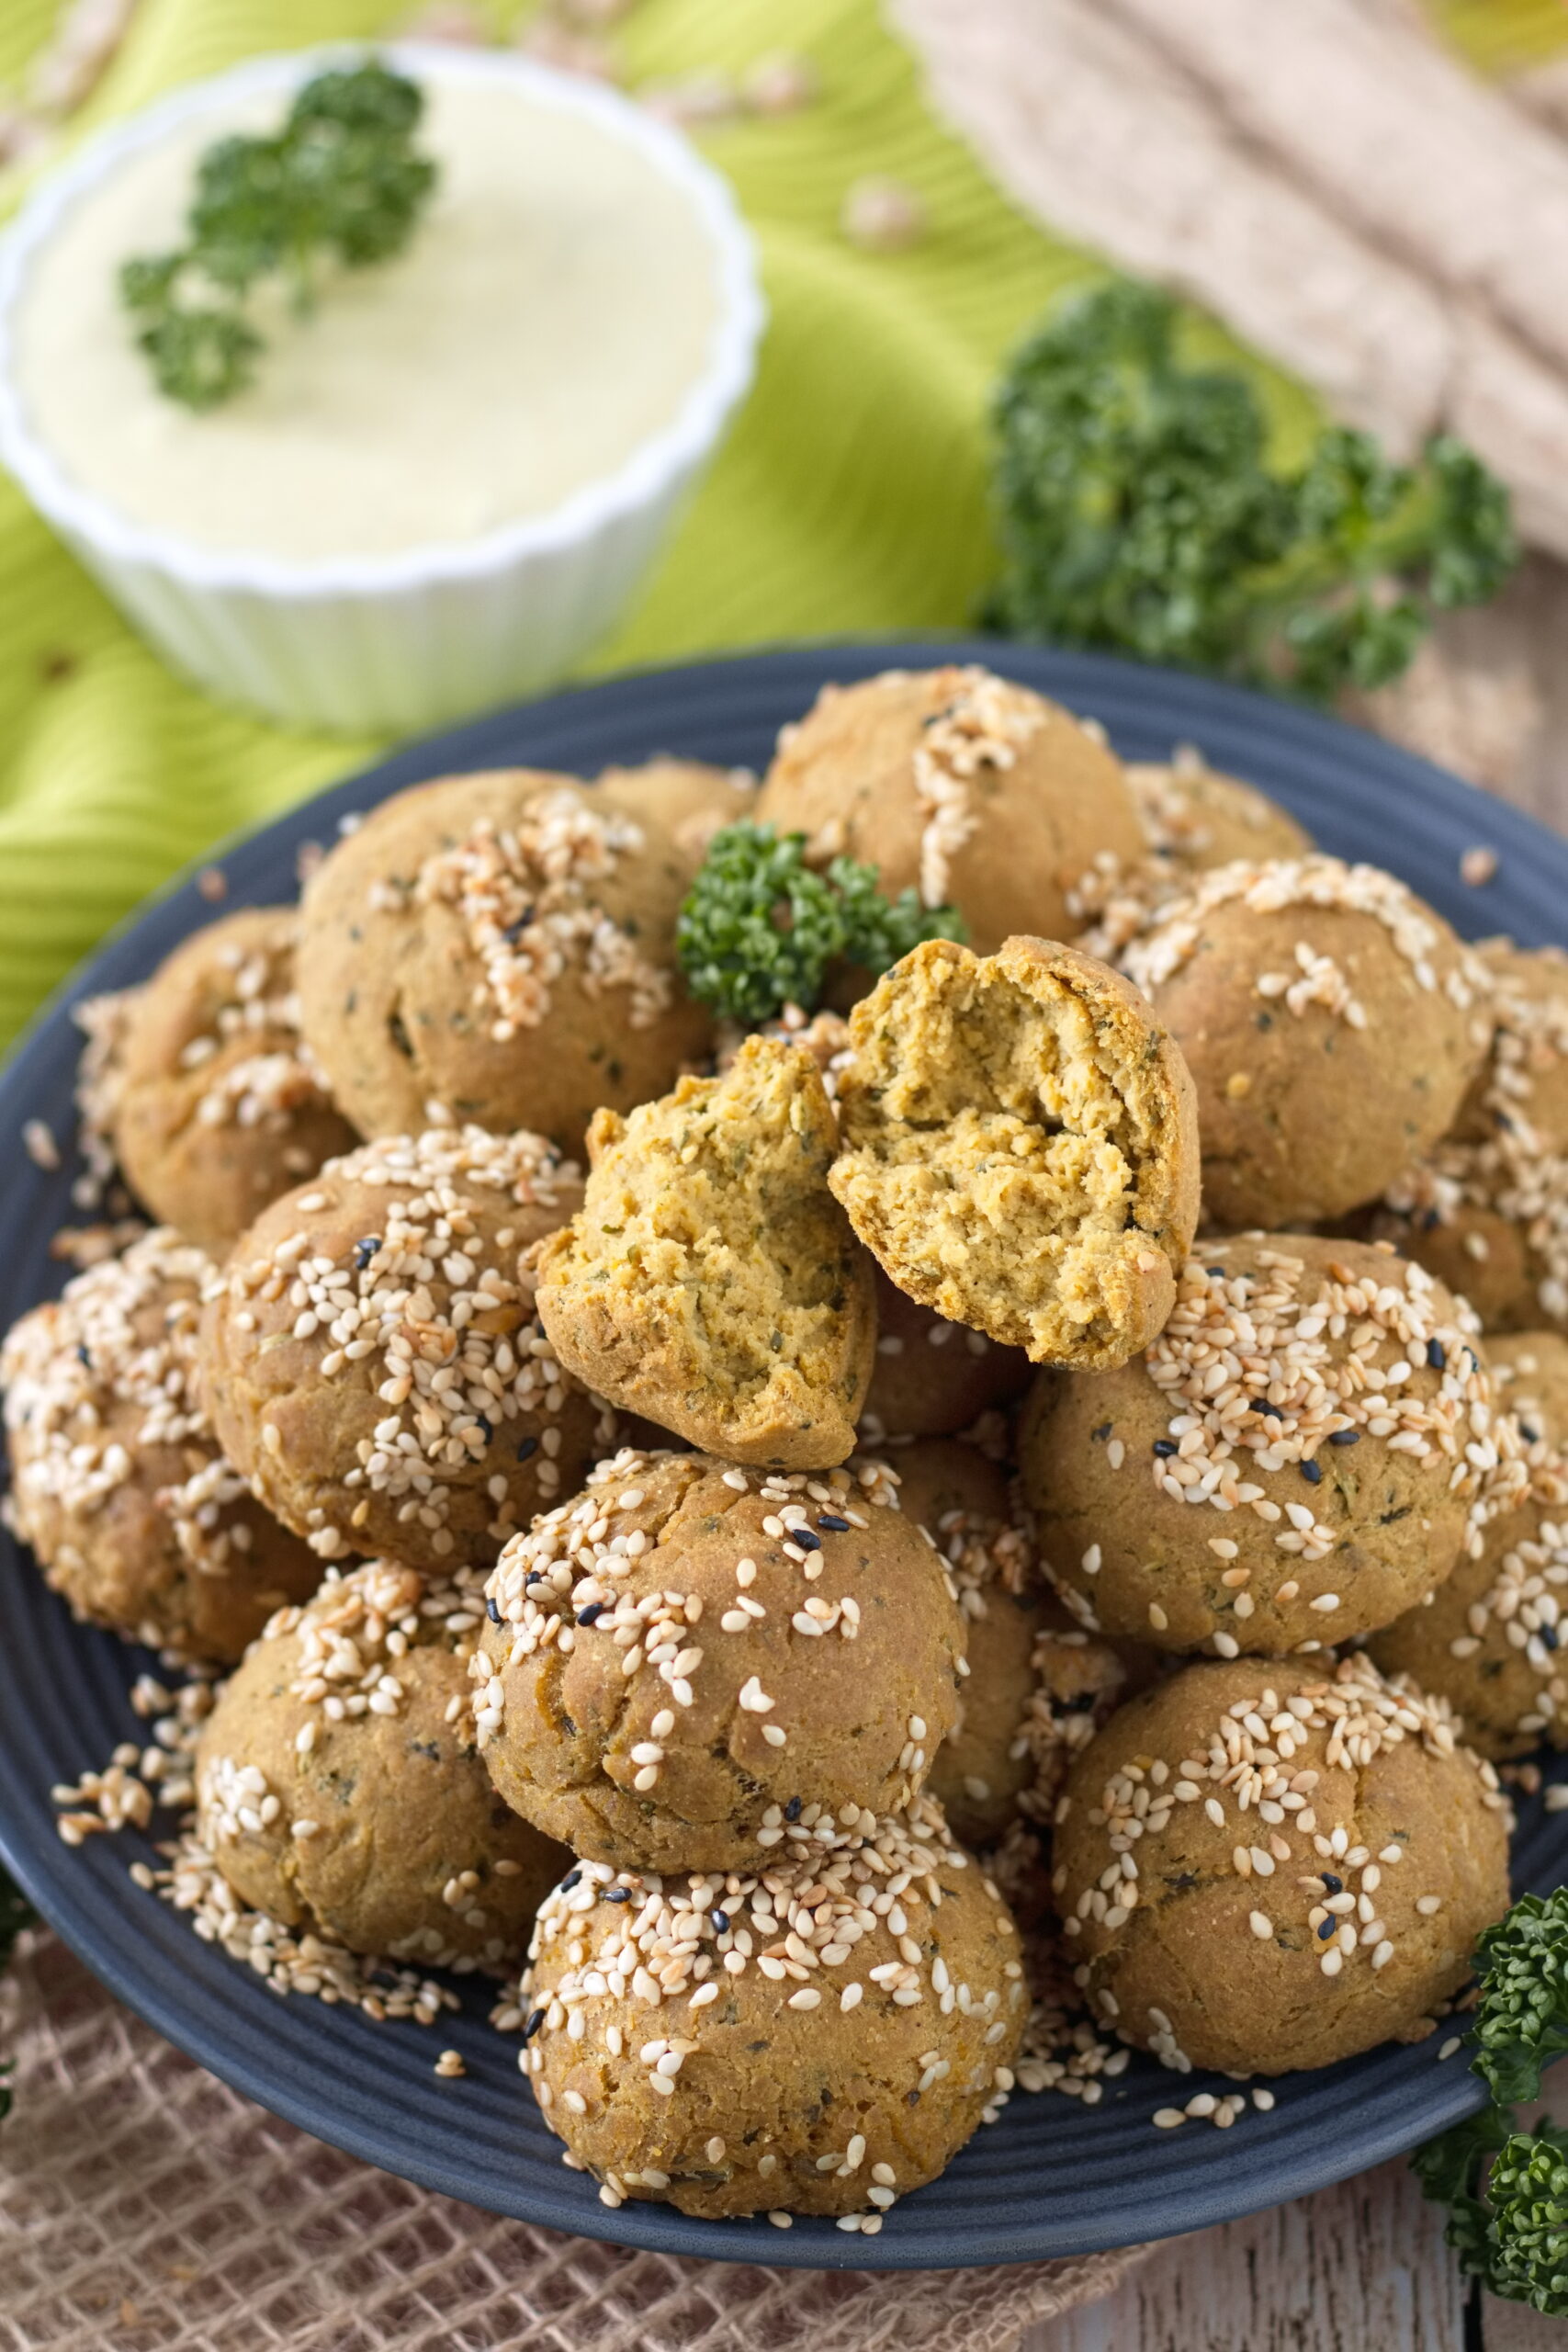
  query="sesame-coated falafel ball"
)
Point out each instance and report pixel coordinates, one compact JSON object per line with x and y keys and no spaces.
{"x":372,"y":1359}
{"x":1325,"y":1402}
{"x":1266,"y":1866}
{"x":1489,"y":1639}
{"x":1331,"y":1022}
{"x":120,"y":1483}
{"x":1486,"y":1209}
{"x":688,"y":1654}
{"x":339,"y":1787}
{"x":742,"y":2079}
{"x":218,"y":1103}
{"x":970,"y":790}
{"x":501,"y":946}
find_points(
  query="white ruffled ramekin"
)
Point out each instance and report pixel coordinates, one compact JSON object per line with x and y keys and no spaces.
{"x":403,"y":642}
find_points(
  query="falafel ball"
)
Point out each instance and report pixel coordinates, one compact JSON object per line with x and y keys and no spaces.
{"x":218,"y":1103}
{"x":1327,"y":1406}
{"x":1331,"y":1022}
{"x":688,"y":1652}
{"x":501,"y":946}
{"x":957,"y":784}
{"x":829,"y":2083}
{"x":339,"y":1787}
{"x":1261,"y":1867}
{"x":120,"y":1485}
{"x":372,"y":1356}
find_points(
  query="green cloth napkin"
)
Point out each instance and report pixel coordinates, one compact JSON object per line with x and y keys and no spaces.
{"x":849,"y":498}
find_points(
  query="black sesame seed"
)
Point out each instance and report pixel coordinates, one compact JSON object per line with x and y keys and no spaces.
{"x":1218,"y":1271}
{"x":81,"y":1355}
{"x":1531,"y":1437}
{"x":535,"y":2018}
{"x":719,"y":1921}
{"x":807,"y":1541}
{"x":1335,"y":1885}
{"x":833,"y":1523}
{"x":617,"y":1895}
{"x":792,"y":1810}
{"x":365,"y":1251}
{"x":528,"y":1448}
{"x":535,"y":1576}
{"x":514,"y":931}
{"x":1549,"y":1637}
{"x":1327,"y":1929}
{"x":1344,"y":1437}
{"x":488,"y":1426}
{"x":1430,"y":1221}
{"x":1437,"y":1355}
{"x":1164,"y":1447}
{"x":591,"y":1615}
{"x":1262,"y":1405}
{"x":491,"y":1610}
{"x":572,"y":1878}
{"x":1312,"y":1472}
{"x":1103,"y":1432}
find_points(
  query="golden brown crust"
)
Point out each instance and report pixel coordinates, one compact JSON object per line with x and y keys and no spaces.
{"x":732,"y":1710}
{"x":427,"y":961}
{"x":710,"y":1282}
{"x":958,"y":784}
{"x":450,"y":1422}
{"x":1019,"y":1147}
{"x":374,"y":1826}
{"x":1333,"y":1529}
{"x":1311,"y":1859}
{"x":218,"y":1106}
{"x":828,"y":2088}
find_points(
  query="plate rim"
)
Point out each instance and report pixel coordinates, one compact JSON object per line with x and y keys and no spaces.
{"x":64,"y":1895}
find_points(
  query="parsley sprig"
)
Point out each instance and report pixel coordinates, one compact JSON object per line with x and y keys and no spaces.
{"x":1506,"y":2190}
{"x":1138,"y":510}
{"x":759,"y":926}
{"x":340,"y":183}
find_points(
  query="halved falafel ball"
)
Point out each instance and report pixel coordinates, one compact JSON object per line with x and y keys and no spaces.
{"x":710,"y":1281}
{"x":1020,"y":1149}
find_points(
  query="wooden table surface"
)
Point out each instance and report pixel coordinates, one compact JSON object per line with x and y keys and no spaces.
{"x":1362,"y":2267}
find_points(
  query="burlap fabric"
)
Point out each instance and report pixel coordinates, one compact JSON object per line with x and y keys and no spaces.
{"x":145,"y":2207}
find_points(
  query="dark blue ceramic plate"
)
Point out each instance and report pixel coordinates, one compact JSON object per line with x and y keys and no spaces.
{"x":1050,"y":2177}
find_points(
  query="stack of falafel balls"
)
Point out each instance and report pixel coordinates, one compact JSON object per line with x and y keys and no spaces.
{"x":853,"y":1565}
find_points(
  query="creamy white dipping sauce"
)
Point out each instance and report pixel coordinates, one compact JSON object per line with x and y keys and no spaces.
{"x":557,"y":300}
